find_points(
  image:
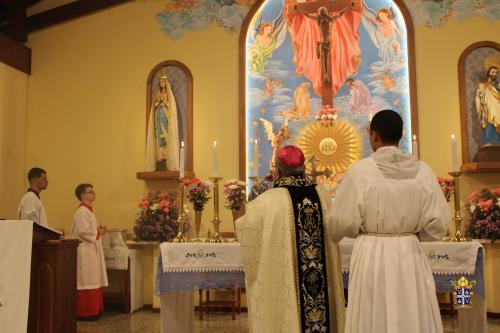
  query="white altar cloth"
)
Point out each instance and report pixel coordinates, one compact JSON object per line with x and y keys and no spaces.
{"x":444,"y":257}
{"x":201,"y":257}
{"x":15,"y":267}
{"x":177,"y":308}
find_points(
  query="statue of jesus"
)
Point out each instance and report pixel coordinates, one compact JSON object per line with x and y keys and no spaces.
{"x":323,"y":47}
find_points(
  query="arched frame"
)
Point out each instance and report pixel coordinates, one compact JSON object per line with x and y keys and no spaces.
{"x":187,"y":132}
{"x":242,"y":77}
{"x":466,"y":93}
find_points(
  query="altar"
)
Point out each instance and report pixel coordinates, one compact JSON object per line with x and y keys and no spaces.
{"x":449,"y":261}
{"x":186,"y":267}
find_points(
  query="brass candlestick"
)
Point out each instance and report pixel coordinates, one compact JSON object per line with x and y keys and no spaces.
{"x":216,"y":238}
{"x":458,"y":218}
{"x":180,"y":238}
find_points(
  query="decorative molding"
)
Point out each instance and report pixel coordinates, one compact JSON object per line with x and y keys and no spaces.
{"x":162,"y":175}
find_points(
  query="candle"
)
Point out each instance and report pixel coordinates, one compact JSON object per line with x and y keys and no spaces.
{"x":454,"y":154}
{"x":214,"y":158}
{"x":414,"y":147}
{"x":182,"y":161}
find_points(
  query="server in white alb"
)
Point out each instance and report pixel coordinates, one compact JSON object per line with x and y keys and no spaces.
{"x":31,"y":206}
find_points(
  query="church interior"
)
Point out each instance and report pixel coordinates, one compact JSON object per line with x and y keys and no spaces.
{"x":83,"y":82}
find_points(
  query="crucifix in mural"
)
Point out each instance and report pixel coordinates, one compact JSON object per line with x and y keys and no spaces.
{"x":315,"y":73}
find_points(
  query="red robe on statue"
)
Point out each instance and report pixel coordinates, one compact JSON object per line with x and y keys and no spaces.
{"x":344,"y":54}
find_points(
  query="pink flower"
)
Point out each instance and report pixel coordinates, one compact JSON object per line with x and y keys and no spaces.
{"x":162,"y":195}
{"x":163,"y":203}
{"x":144,"y":203}
{"x":496,"y":191}
{"x":486,"y":205}
{"x":473,"y":196}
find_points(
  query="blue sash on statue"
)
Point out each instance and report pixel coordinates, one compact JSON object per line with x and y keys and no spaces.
{"x":311,"y":259}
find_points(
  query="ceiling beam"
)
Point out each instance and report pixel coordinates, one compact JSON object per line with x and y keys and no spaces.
{"x":68,"y":12}
{"x":15,"y":54}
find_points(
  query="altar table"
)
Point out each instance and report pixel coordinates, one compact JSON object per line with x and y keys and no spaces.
{"x":186,"y":267}
{"x":448,"y":261}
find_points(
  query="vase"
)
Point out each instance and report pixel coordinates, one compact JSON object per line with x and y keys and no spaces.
{"x":197,"y":222}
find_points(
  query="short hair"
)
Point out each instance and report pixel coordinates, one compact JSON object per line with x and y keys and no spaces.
{"x":389,"y":126}
{"x":36,"y":173}
{"x":287,"y":171}
{"x":80,"y":189}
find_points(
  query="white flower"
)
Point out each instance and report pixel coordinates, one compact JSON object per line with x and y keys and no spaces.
{"x":498,"y":202}
{"x":233,"y":187}
{"x":472,"y":208}
{"x":241,"y":183}
{"x":243,"y":191}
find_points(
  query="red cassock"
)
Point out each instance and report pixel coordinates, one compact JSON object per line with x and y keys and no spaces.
{"x":89,"y":303}
{"x":344,"y":54}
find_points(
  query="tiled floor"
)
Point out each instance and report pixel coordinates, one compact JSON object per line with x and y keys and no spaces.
{"x":149,"y":322}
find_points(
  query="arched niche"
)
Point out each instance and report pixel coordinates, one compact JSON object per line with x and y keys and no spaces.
{"x":179,"y":88}
{"x":272,"y":86}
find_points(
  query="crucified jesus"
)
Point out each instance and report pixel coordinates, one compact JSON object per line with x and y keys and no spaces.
{"x":324,"y":46}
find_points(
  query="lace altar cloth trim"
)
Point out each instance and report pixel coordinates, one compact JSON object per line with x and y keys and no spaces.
{"x":443,"y":281}
{"x":116,"y":258}
{"x":201,"y":257}
{"x":175,"y":282}
{"x":445,"y":258}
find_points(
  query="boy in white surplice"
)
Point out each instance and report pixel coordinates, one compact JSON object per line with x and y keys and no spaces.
{"x":389,"y":202}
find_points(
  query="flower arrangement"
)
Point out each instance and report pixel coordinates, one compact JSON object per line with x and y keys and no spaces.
{"x":447,"y":186}
{"x":198,"y":192}
{"x":326,"y":113}
{"x":484,"y":214}
{"x":235,"y":194}
{"x":156,"y":218}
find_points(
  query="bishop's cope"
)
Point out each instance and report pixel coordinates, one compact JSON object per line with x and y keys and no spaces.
{"x":292,"y":269}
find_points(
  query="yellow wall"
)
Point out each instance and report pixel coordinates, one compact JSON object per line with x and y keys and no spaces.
{"x":86,"y":103}
{"x":13,"y":91}
{"x":86,"y":109}
{"x":437,"y":54}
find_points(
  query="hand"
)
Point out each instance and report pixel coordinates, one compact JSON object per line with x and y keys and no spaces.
{"x":102,"y":230}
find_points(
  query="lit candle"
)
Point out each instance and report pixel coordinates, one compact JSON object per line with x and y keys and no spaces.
{"x":454,"y":154}
{"x":370,"y":117}
{"x":414,"y":147}
{"x":182,"y":161}
{"x":214,"y":158}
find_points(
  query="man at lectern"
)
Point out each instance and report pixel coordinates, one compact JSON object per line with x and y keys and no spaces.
{"x":31,"y":207}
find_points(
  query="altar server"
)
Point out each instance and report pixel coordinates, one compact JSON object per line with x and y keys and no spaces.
{"x":292,"y":269}
{"x":390,"y":202}
{"x":91,"y":267}
{"x":31,"y":207}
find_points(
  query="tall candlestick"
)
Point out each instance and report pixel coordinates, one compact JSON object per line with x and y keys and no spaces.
{"x":214,"y":158}
{"x":414,"y":147}
{"x":454,"y":154}
{"x":182,"y":161}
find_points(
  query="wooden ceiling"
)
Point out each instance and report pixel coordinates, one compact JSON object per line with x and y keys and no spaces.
{"x":15,"y":24}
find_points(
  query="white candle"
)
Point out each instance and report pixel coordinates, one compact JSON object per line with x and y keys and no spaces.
{"x":182,"y":161}
{"x":214,"y":158}
{"x":454,"y":154}
{"x":414,"y":147}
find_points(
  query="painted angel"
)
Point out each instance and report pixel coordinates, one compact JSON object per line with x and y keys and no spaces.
{"x":278,"y":139}
{"x":267,"y":37}
{"x":384,"y":33}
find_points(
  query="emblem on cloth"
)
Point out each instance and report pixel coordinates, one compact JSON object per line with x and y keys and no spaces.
{"x":462,"y":293}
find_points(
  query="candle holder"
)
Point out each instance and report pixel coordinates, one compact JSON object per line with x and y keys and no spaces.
{"x":457,"y":218}
{"x":216,"y":238}
{"x":181,"y":220}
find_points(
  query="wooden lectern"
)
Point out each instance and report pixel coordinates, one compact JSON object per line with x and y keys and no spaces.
{"x":52,"y":306}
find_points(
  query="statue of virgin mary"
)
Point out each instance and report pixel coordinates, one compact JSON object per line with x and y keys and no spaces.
{"x":162,"y":138}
